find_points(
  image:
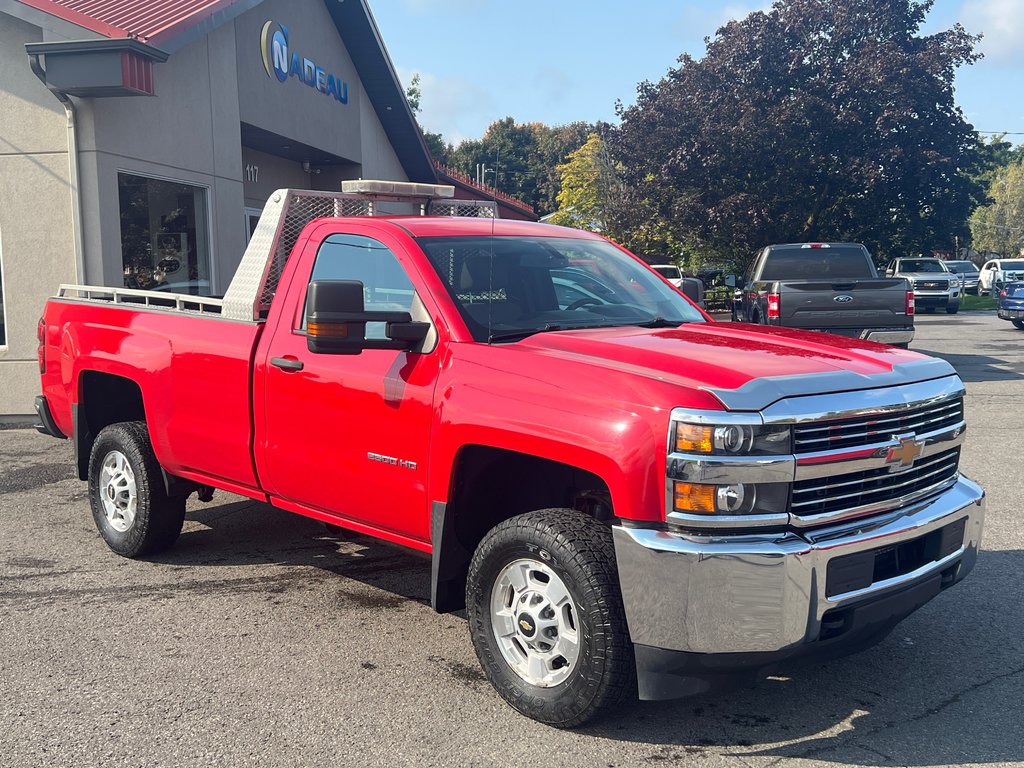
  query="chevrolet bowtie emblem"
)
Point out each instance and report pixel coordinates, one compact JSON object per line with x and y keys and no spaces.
{"x":906,"y":453}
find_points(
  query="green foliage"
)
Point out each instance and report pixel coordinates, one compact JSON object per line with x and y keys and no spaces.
{"x":413,"y":94}
{"x":587,"y":188}
{"x":815,"y":120}
{"x":999,"y":227}
{"x":522,"y":158}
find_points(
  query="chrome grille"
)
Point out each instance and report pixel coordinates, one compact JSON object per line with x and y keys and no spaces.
{"x":868,"y":430}
{"x":873,"y":487}
{"x":930,"y":285}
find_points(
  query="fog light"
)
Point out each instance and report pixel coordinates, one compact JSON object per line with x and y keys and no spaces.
{"x":730,"y":498}
{"x":705,"y":499}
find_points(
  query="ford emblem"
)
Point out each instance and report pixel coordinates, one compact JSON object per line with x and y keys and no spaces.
{"x":843,"y":298}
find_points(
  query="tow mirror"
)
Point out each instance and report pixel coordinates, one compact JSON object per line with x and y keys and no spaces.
{"x":730,"y":280}
{"x":336,"y":321}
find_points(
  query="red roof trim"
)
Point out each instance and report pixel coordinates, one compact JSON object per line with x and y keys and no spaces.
{"x":485,"y":189}
{"x":75,"y":17}
{"x":146,"y":20}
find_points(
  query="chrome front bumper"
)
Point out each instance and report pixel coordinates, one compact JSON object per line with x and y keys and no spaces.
{"x":720,"y":593}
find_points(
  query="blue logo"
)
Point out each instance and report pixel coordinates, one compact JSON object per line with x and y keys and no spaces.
{"x":278,"y":63}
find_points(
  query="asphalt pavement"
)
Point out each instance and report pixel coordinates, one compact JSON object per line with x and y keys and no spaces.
{"x":262,"y":639}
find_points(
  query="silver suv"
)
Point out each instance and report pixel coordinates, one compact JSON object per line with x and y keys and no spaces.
{"x":934,"y":285}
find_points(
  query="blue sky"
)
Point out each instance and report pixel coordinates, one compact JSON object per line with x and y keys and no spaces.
{"x":555,"y":61}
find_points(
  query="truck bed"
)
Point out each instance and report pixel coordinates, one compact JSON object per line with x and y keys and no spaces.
{"x":192,"y":367}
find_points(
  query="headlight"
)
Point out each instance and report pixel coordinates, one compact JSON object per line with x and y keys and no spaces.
{"x":730,"y":498}
{"x":732,"y":439}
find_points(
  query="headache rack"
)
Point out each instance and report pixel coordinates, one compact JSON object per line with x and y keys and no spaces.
{"x":284,"y":216}
{"x":289,"y":210}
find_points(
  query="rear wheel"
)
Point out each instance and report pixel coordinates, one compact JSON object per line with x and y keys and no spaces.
{"x":130,"y":505}
{"x":546,"y":618}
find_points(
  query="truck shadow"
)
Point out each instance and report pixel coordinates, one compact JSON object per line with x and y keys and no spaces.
{"x":251,"y":533}
{"x":944,"y":688}
{"x":992,"y":363}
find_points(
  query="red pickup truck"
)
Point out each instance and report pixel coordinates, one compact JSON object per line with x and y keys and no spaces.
{"x":625,"y":496}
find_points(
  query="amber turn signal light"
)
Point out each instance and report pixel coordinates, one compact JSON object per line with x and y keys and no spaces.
{"x":693,"y":438}
{"x":328,"y":330}
{"x":695,"y":497}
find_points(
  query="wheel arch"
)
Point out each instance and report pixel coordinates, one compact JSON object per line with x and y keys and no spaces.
{"x":490,"y":485}
{"x":103,"y":399}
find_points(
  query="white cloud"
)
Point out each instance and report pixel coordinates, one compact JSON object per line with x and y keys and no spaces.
{"x":1002,"y":24}
{"x":705,"y":19}
{"x":450,"y":106}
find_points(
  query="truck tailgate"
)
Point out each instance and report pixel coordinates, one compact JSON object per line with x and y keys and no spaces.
{"x":844,"y":306}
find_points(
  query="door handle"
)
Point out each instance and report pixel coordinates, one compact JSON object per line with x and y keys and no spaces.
{"x":285,"y":364}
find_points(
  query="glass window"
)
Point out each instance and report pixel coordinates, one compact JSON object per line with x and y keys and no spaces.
{"x":386,"y":286}
{"x":509,"y":287}
{"x":165,"y":244}
{"x":816,"y":264}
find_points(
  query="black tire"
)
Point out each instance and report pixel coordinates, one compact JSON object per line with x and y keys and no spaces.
{"x":929,"y":310}
{"x":157,"y":518}
{"x":579,"y":550}
{"x":952,"y":310}
{"x":1018,"y":324}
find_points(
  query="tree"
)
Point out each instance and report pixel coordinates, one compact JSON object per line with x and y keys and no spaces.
{"x":815,"y":120}
{"x":521,"y":159}
{"x":439,"y":148}
{"x":587,"y":188}
{"x":999,"y":227}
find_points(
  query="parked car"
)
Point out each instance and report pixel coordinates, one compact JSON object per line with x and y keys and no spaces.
{"x":691,"y":287}
{"x":830,"y":287}
{"x":1011,"y":304}
{"x":934,"y":285}
{"x":998,"y":272}
{"x":624,"y":495}
{"x":969,"y":274}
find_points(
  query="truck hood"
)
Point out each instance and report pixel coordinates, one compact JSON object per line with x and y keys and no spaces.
{"x":746,"y":367}
{"x":929,"y":276}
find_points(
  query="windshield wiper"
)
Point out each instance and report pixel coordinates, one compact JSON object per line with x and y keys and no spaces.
{"x":659,"y":322}
{"x":522,"y":333}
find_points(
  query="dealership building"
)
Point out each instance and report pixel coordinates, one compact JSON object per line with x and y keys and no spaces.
{"x":140,"y":140}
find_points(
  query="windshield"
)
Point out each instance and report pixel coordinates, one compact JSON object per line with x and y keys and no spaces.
{"x":961,"y":267}
{"x":922,"y":265}
{"x":507,"y":288}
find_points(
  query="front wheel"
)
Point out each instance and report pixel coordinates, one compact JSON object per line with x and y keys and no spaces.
{"x":1018,"y":324}
{"x":952,"y":309}
{"x":130,"y":505}
{"x":546,"y":617}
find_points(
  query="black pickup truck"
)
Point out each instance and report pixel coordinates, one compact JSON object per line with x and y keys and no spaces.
{"x":830,"y":287}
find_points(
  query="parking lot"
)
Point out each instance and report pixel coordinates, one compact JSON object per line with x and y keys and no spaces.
{"x":262,"y":639}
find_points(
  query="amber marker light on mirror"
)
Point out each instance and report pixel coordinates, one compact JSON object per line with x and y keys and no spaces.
{"x":693,"y":438}
{"x":328,"y":330}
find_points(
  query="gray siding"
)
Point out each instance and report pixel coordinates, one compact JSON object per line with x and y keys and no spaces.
{"x":36,"y":237}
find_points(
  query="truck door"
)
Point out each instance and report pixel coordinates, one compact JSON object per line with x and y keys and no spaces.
{"x":349,"y":434}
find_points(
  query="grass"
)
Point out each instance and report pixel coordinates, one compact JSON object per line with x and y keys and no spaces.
{"x":968,"y":301}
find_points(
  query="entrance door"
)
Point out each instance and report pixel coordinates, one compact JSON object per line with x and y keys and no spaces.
{"x":349,"y":434}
